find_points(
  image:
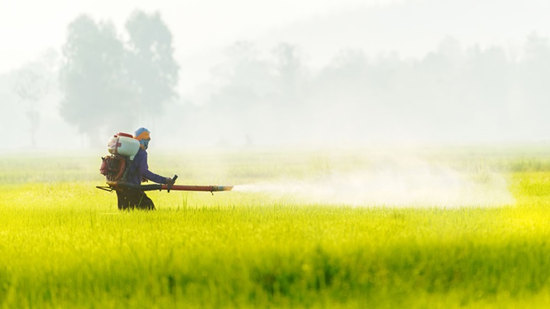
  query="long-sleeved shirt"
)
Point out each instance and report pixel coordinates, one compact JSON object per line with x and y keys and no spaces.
{"x":139,"y":170}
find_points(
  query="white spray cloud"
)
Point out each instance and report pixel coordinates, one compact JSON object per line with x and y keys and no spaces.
{"x":396,"y":183}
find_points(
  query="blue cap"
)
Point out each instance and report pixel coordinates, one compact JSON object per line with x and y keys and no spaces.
{"x":141,"y":133}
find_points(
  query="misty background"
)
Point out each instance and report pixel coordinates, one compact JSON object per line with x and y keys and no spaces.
{"x":260,"y":73}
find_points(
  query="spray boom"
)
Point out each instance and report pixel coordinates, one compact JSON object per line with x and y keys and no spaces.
{"x":119,"y":185}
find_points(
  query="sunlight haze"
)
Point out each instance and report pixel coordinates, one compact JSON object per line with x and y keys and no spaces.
{"x":288,"y":72}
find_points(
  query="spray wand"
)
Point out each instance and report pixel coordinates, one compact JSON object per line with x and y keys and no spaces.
{"x":120,"y":185}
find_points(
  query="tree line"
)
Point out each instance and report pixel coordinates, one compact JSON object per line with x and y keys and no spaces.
{"x":454,"y":92}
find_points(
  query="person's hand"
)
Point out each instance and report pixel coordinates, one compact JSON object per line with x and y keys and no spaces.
{"x":170,"y":181}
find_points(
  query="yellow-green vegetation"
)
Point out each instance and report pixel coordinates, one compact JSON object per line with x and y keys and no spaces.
{"x":64,"y":244}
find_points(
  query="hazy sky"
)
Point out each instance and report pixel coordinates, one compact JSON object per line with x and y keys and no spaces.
{"x":203,"y":29}
{"x":321,"y":28}
{"x":27,"y":27}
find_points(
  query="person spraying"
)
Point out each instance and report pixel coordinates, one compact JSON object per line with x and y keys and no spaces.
{"x":138,"y":170}
{"x":126,"y":168}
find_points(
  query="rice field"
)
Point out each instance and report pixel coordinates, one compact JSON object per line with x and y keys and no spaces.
{"x":63,"y":243}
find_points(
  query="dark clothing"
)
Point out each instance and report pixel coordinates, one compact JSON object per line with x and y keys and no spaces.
{"x":130,"y":198}
{"x":139,"y":169}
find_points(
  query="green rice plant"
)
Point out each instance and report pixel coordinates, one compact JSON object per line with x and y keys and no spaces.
{"x":63,"y":243}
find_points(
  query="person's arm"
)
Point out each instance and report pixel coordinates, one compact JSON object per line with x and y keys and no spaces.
{"x":145,"y":172}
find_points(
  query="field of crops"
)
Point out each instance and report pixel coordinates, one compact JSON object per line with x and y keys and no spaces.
{"x":63,"y":243}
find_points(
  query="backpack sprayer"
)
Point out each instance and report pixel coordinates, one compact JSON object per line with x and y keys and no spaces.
{"x":116,"y":166}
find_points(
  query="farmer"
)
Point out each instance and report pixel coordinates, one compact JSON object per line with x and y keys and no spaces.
{"x":129,"y":198}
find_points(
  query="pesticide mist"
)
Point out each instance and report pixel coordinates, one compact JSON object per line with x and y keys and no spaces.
{"x":396,"y":182}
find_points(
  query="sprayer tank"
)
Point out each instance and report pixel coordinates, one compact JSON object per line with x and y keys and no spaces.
{"x":123,"y":144}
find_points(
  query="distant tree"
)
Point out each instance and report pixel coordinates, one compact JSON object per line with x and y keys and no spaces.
{"x":32,"y":83}
{"x":108,"y":85}
{"x":534,"y":73}
{"x":29,"y":88}
{"x":347,"y":72}
{"x":95,"y":86}
{"x":245,"y":80}
{"x":152,"y":68}
{"x":245,"y":92}
{"x":536,"y":68}
{"x":290,"y":71}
